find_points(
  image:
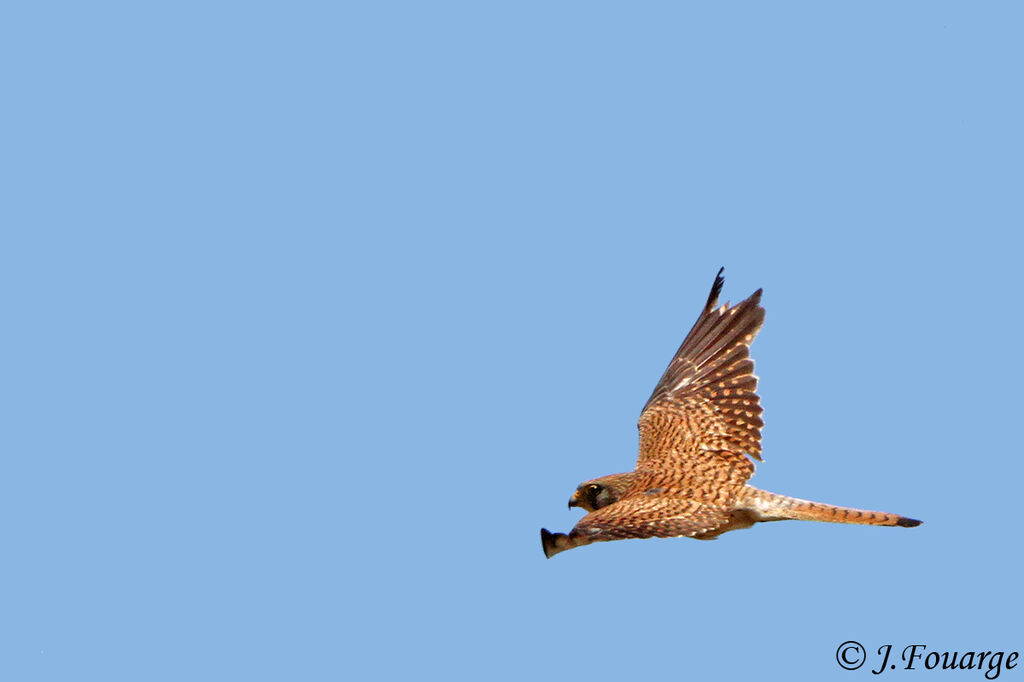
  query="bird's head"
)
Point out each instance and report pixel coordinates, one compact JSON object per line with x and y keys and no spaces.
{"x":600,"y":492}
{"x":591,"y":496}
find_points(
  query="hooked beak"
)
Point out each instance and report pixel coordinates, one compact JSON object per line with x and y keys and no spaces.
{"x":574,"y":501}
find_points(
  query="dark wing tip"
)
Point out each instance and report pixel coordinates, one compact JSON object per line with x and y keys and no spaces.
{"x":908,"y":523}
{"x":547,"y":540}
{"x":716,"y":289}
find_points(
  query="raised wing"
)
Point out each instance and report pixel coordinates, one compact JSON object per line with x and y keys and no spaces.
{"x":705,"y":406}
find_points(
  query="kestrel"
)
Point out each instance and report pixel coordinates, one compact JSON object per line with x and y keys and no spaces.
{"x":699,"y":432}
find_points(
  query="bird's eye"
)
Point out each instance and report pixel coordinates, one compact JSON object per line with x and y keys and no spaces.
{"x":595,"y":488}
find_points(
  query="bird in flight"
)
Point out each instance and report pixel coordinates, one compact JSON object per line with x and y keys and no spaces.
{"x":699,"y":432}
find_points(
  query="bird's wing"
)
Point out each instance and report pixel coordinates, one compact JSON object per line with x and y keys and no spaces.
{"x":650,"y":516}
{"x":704,"y":416}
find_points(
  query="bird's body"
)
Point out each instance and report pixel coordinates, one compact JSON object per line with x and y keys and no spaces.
{"x":699,"y":432}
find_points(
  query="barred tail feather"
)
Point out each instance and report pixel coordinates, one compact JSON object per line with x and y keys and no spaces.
{"x":774,"y":507}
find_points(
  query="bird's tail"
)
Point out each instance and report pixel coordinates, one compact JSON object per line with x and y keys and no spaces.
{"x":774,"y":507}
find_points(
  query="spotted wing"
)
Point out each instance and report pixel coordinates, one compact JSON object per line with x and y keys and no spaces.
{"x":704,"y":415}
{"x":650,"y":516}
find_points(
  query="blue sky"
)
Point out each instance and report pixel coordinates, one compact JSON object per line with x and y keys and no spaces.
{"x":314,"y":315}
